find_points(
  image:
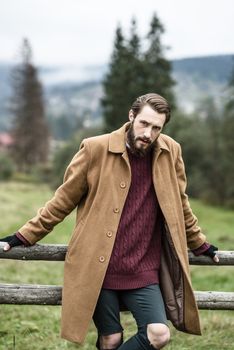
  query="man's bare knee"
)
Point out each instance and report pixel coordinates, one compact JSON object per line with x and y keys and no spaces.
{"x":158,"y":335}
{"x":111,"y":341}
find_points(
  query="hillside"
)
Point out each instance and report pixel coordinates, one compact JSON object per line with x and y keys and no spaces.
{"x":73,"y":93}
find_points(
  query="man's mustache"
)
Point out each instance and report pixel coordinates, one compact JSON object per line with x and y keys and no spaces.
{"x":143,"y":139}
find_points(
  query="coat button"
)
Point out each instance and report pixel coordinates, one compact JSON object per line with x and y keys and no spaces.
{"x":122,"y":184}
{"x":109,"y":234}
{"x":101,"y":259}
{"x":116,"y":210}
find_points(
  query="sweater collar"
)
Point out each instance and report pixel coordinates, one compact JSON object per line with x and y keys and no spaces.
{"x":117,"y":140}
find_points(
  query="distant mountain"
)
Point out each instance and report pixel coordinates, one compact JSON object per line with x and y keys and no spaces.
{"x":200,"y":77}
{"x":74,"y":92}
{"x":216,"y":68}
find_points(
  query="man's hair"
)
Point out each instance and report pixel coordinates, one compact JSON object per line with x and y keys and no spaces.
{"x":155,"y":101}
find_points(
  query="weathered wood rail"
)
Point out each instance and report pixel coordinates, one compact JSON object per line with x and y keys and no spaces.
{"x":51,"y":295}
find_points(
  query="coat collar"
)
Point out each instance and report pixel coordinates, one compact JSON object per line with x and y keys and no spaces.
{"x":117,"y":140}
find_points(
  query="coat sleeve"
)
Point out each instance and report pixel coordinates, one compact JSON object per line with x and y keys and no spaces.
{"x":195,"y":238}
{"x":65,"y":199}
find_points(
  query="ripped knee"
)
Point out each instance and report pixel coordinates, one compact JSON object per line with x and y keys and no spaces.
{"x":111,"y":341}
{"x":158,"y":335}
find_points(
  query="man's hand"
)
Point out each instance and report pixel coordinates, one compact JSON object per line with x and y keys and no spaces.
{"x":11,"y":241}
{"x":211,"y":253}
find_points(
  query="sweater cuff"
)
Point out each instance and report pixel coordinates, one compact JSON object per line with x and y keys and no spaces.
{"x":201,"y":249}
{"x":22,"y":239}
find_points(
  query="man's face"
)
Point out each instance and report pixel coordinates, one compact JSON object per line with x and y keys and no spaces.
{"x":144,"y":130}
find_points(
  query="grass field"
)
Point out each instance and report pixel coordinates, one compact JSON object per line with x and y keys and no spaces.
{"x":37,"y":327}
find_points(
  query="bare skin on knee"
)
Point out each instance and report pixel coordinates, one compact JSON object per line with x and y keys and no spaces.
{"x":111,"y":341}
{"x":158,"y":335}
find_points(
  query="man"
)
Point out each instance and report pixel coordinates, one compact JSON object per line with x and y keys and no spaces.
{"x":134,"y":223}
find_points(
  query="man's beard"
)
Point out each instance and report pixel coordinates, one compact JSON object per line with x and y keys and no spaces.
{"x":131,"y":140}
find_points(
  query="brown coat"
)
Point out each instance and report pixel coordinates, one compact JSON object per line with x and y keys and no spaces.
{"x":96,"y":183}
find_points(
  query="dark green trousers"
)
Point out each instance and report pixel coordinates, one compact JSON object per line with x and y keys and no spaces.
{"x":146,"y":305}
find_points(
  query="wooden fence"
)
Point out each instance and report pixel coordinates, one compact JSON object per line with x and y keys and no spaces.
{"x":51,"y":295}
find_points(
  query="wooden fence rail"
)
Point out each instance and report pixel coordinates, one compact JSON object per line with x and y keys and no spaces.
{"x":51,"y":295}
{"x":57,"y":252}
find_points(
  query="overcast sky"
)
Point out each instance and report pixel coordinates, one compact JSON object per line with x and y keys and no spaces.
{"x":82,"y":31}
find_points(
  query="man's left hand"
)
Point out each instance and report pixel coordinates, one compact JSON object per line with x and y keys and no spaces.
{"x":211,"y":252}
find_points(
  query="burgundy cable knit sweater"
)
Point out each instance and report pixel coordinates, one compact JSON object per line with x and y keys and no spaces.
{"x":136,"y":254}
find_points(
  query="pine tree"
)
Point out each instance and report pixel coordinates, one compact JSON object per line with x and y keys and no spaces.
{"x":30,"y":129}
{"x":120,"y":84}
{"x":134,"y":41}
{"x":136,"y":65}
{"x":157,"y":69}
{"x":113,"y":83}
{"x":133,"y":73}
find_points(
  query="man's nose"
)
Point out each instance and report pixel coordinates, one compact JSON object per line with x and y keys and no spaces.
{"x":147,"y":133}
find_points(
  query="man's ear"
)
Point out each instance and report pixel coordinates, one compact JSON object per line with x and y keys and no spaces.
{"x":131,"y":115}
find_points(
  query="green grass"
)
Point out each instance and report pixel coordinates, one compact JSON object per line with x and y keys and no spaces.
{"x":37,"y":327}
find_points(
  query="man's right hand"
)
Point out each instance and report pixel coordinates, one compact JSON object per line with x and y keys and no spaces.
{"x":11,"y":241}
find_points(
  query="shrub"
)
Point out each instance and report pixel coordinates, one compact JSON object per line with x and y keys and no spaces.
{"x":7,"y":167}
